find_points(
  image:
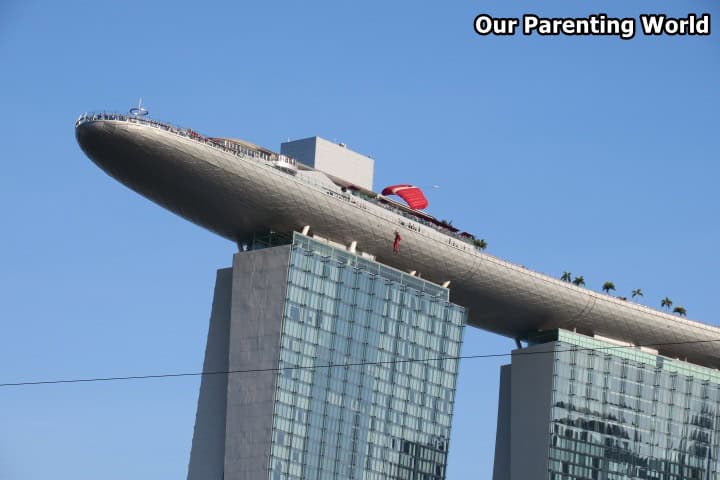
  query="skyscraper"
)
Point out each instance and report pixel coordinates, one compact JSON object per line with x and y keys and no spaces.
{"x":331,"y":380}
{"x":576,"y":407}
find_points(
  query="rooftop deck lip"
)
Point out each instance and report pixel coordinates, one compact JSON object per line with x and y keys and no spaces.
{"x":595,"y":296}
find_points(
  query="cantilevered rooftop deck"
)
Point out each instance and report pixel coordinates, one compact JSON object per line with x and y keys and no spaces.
{"x":236,"y":191}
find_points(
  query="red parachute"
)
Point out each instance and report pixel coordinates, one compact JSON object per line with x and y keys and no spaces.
{"x":410,"y":193}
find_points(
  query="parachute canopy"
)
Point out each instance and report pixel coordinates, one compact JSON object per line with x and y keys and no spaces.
{"x":410,"y":193}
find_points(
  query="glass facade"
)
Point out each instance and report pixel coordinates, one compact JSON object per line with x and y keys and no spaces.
{"x":375,"y":413}
{"x":621,"y":413}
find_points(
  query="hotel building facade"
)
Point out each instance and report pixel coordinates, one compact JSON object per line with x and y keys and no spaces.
{"x":345,"y":368}
{"x":574,"y":407}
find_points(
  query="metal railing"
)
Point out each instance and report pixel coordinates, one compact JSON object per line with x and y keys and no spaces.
{"x":184,"y":132}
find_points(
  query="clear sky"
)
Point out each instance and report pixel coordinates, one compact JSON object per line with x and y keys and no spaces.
{"x":594,"y":155}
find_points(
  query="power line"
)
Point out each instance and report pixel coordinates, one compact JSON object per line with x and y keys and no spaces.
{"x":343,"y":365}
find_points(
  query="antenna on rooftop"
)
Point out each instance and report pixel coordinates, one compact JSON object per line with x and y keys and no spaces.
{"x":139,"y":111}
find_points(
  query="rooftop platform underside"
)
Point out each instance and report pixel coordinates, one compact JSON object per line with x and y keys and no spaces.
{"x":236,"y":194}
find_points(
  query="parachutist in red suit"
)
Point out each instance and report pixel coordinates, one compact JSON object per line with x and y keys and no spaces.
{"x":396,"y":243}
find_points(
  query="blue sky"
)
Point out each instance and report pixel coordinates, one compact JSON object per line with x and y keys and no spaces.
{"x":593,"y":155}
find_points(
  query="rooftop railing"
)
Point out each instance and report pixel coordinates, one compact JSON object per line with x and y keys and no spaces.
{"x":185,"y":132}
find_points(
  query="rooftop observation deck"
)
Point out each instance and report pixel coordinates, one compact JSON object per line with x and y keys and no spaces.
{"x":504,"y":297}
{"x":247,"y":150}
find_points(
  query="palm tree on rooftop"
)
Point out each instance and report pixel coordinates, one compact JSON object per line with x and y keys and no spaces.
{"x":566,"y":277}
{"x":666,"y":303}
{"x":637,"y":293}
{"x":579,"y":281}
{"x":480,"y":243}
{"x":680,"y":311}
{"x":607,"y":286}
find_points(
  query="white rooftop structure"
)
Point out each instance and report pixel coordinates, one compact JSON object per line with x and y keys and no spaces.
{"x":332,"y":158}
